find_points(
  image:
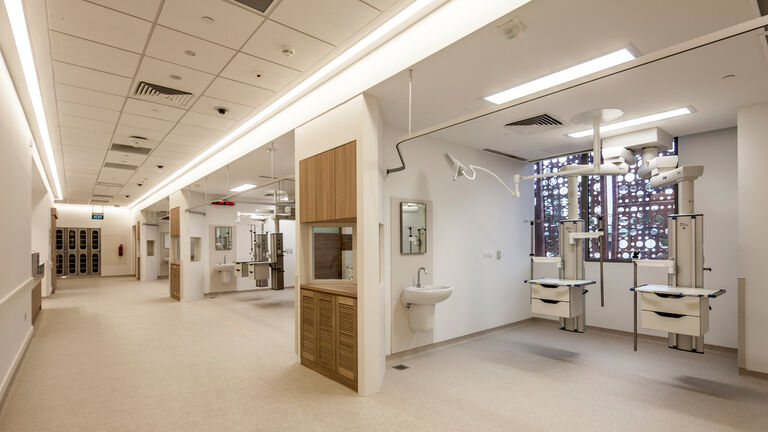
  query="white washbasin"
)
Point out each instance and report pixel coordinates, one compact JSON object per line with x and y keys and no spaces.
{"x":228,"y":267}
{"x":426,"y":294}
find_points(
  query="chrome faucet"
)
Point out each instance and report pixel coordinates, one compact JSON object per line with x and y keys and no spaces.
{"x":418,"y":276}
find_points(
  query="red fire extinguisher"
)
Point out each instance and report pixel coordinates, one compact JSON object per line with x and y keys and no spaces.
{"x":120,"y":250}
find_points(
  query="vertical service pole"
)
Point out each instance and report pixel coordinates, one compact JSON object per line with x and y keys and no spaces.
{"x":601,"y":227}
{"x":533,"y":246}
{"x":634,"y":291}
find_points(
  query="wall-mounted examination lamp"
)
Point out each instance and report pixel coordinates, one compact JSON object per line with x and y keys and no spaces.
{"x":461,"y":170}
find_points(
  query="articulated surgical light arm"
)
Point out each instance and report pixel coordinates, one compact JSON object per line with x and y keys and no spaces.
{"x":583,"y":170}
{"x":470,"y":173}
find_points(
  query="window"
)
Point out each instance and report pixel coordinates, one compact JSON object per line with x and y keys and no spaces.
{"x":635,"y":214}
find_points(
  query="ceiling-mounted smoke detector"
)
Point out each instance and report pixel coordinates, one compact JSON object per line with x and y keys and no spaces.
{"x":162,"y":94}
{"x":533,"y":125}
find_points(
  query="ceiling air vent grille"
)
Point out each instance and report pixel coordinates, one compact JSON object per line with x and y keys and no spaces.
{"x":120,"y":166}
{"x":535,"y":124}
{"x":166,"y":94}
{"x":507,"y":155}
{"x":259,"y":5}
{"x":130,"y":149}
{"x":102,"y":196}
{"x":96,"y":201}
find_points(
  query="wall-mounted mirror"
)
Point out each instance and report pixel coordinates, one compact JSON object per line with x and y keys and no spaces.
{"x":333,"y":255}
{"x":413,"y":228}
{"x":223,"y":237}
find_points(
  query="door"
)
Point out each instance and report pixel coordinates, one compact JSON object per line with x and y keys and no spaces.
{"x":326,"y":346}
{"x":346,"y":337}
{"x":308,"y":325}
{"x":175,"y":281}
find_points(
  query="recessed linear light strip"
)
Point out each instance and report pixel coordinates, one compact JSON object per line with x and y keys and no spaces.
{"x":322,"y":73}
{"x":574,"y":72}
{"x":18,"y":21}
{"x":243,"y":187}
{"x":635,"y":122}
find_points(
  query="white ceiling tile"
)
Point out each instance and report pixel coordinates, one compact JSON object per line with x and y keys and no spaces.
{"x":207,"y":105}
{"x":124,"y":130}
{"x":84,"y":138}
{"x":99,"y":24}
{"x":92,"y":55}
{"x":114,"y":175}
{"x":379,"y":4}
{"x":243,"y":94}
{"x":231,"y":25}
{"x":89,"y":97}
{"x":87,"y":124}
{"x":207,"y":121}
{"x":330,"y":20}
{"x":271,"y":38}
{"x":121,"y":138}
{"x":259,"y":72}
{"x":125,"y":158}
{"x":146,"y":122}
{"x":89,"y":112}
{"x":193,"y":133}
{"x":106,"y":190}
{"x":92,"y":79}
{"x":159,"y":72}
{"x":146,"y":9}
{"x":175,"y":47}
{"x":149,"y":109}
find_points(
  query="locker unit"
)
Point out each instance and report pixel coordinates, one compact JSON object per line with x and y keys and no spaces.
{"x":71,"y":264}
{"x":78,"y":251}
{"x":59,"y":239}
{"x":59,"y":260}
{"x":95,"y":263}
{"x":71,"y":239}
{"x":94,"y":239}
{"x":82,"y":239}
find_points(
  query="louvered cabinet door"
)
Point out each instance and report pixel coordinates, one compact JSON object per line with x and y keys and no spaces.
{"x":308,"y":325}
{"x":325,"y":331}
{"x":346,"y":337}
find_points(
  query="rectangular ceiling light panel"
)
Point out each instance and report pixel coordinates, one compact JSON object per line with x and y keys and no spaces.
{"x":574,"y":72}
{"x":243,"y":187}
{"x":635,"y":122}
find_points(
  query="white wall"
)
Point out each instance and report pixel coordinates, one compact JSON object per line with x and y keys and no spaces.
{"x":115,"y":231}
{"x":752,"y":234}
{"x":163,"y":253}
{"x":715,"y":197}
{"x":42,"y":202}
{"x":19,"y":216}
{"x":469,"y":218}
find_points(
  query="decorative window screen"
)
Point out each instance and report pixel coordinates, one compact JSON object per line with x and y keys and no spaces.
{"x":551,"y":202}
{"x":635,"y":214}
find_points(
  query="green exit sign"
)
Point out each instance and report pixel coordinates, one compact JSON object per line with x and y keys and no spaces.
{"x":97,"y":216}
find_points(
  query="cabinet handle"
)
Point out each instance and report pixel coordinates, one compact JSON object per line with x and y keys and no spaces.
{"x":550,"y":301}
{"x":549,"y":285}
{"x":668,"y":314}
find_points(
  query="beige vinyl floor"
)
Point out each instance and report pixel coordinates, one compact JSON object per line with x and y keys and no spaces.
{"x":113,"y":354}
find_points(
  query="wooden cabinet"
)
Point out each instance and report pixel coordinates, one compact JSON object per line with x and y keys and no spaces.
{"x":175,"y":281}
{"x":328,"y":185}
{"x":329,"y":335}
{"x":345,"y":181}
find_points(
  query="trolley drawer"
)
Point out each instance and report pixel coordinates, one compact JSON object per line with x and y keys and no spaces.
{"x":673,"y":323}
{"x":551,"y":307}
{"x":555,"y":292}
{"x":684,"y":305}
